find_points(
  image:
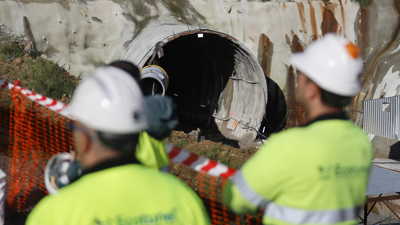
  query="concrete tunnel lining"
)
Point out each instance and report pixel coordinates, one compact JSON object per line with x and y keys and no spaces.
{"x":214,"y":79}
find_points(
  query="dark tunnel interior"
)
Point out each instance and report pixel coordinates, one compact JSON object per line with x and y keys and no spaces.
{"x":199,"y":70}
{"x":275,"y":118}
{"x":151,"y":86}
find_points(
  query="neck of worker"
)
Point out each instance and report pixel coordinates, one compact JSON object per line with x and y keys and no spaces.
{"x":316,"y":109}
{"x":99,"y":154}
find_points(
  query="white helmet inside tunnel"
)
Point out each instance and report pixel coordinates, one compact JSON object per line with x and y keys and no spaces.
{"x":109,"y":101}
{"x":333,"y":63}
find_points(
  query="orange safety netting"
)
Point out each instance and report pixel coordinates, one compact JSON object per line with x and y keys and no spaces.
{"x":30,"y":134}
{"x":210,"y":191}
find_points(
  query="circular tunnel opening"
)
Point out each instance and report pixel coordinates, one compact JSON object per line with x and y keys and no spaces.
{"x":154,"y":80}
{"x":151,"y":86}
{"x":216,"y":82}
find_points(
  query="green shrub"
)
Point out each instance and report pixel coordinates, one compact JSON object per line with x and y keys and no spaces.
{"x":3,"y":56}
{"x":10,"y":49}
{"x":50,"y":80}
{"x":35,"y":54}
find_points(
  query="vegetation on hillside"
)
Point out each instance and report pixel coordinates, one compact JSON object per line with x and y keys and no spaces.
{"x":37,"y":74}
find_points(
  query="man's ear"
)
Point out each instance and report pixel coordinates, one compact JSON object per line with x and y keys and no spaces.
{"x":313,"y":90}
{"x":86,"y":143}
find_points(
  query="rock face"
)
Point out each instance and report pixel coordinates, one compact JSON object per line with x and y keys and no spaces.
{"x":86,"y":34}
{"x":72,"y":31}
{"x":27,"y":46}
{"x":4,"y":30}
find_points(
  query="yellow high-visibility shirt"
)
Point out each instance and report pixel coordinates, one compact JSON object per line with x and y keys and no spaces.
{"x":121,"y":194}
{"x":315,"y":174}
{"x":151,"y":152}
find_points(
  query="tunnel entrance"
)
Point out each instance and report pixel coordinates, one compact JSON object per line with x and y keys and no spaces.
{"x":198,"y":69}
{"x":216,"y":82}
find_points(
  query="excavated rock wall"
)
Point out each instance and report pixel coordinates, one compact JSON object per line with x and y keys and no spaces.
{"x":88,"y":33}
{"x":81,"y":35}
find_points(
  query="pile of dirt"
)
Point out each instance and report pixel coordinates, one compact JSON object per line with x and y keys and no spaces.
{"x":223,"y":153}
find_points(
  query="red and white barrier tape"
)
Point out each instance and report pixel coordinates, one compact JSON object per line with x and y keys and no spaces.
{"x":199,"y":163}
{"x":49,"y":103}
{"x":175,"y":154}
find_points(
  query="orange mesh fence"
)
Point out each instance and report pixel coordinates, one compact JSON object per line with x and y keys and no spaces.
{"x":209,"y":189}
{"x":30,"y":134}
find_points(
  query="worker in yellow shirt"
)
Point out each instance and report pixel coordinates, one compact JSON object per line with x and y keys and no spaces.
{"x":115,"y":188}
{"x":318,"y":173}
{"x":63,"y":169}
{"x":151,"y":150}
{"x":163,"y":118}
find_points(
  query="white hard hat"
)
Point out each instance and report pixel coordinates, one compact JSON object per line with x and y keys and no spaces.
{"x":109,"y":101}
{"x":333,"y":63}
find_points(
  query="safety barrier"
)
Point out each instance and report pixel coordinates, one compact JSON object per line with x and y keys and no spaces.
{"x":29,"y":135}
{"x":34,"y":127}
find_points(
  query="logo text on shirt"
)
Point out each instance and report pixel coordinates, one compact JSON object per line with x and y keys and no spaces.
{"x":342,"y":171}
{"x":144,"y":219}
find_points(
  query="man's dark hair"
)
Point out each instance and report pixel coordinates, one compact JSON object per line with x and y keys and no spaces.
{"x":330,"y":99}
{"x":334,"y":100}
{"x":129,"y":68}
{"x":125,"y":143}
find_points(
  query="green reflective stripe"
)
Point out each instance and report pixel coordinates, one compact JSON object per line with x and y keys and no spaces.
{"x":300,"y":216}
{"x":247,"y":192}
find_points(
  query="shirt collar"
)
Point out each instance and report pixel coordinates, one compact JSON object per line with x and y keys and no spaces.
{"x":333,"y":116}
{"x":120,"y":161}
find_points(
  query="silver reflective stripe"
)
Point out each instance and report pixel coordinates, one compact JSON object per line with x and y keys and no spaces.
{"x":247,"y":192}
{"x":300,"y":216}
